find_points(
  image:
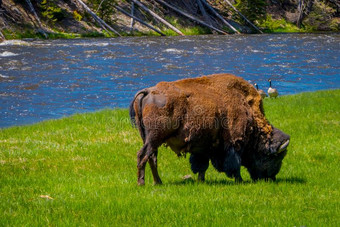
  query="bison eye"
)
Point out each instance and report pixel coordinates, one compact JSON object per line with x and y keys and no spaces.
{"x":267,"y":146}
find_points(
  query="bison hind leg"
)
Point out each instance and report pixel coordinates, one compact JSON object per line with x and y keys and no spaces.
{"x":199,"y":164}
{"x":140,"y":165}
{"x":147,"y":153}
{"x":232,"y":164}
{"x":153,"y":166}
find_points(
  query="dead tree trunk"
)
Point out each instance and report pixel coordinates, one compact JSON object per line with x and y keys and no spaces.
{"x":189,"y":6}
{"x":139,"y":20}
{"x":300,"y":10}
{"x":219,"y":16}
{"x":303,"y":11}
{"x":132,"y":23}
{"x":2,"y":37}
{"x":245,"y":18}
{"x":42,"y":30}
{"x":98,"y":19}
{"x":190,"y":17}
{"x":158,"y":17}
{"x":204,"y":13}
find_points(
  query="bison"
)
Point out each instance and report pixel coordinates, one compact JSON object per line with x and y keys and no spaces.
{"x":218,"y":117}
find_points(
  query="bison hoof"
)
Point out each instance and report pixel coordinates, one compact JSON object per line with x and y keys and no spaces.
{"x":141,"y":183}
{"x":201,"y":177}
{"x":270,"y":179}
{"x":238,"y":180}
{"x":157,"y":183}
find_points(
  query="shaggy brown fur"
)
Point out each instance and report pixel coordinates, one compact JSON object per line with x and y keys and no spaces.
{"x":211,"y":116}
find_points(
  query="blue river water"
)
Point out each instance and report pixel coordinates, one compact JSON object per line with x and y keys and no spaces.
{"x":50,"y":79}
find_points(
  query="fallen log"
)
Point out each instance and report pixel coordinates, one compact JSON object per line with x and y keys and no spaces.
{"x":303,"y":9}
{"x":189,"y":6}
{"x":190,"y":17}
{"x":139,"y":20}
{"x":132,"y":23}
{"x":157,"y":17}
{"x":102,"y":23}
{"x":42,"y":30}
{"x":244,"y":17}
{"x":2,"y":37}
{"x":219,"y":16}
{"x":204,"y":13}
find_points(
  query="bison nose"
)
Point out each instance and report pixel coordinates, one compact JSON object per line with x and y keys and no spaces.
{"x":280,"y":141}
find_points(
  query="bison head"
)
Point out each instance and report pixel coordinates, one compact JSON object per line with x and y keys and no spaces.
{"x":265,"y":162}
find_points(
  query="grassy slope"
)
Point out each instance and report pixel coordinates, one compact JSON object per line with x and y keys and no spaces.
{"x":87,"y":164}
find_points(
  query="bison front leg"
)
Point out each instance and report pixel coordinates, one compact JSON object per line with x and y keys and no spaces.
{"x":232,"y":164}
{"x":199,"y":164}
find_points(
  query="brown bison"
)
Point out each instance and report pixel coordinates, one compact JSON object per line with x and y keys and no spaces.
{"x":217,"y":117}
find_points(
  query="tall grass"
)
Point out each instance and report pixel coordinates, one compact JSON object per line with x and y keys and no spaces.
{"x":81,"y":170}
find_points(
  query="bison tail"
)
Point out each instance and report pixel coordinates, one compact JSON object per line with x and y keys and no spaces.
{"x":133,"y":114}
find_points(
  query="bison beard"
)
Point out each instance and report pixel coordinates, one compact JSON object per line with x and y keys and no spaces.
{"x":218,"y":118}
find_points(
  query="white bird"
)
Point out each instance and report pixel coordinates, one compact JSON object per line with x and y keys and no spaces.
{"x":272,"y":92}
{"x":261,"y":92}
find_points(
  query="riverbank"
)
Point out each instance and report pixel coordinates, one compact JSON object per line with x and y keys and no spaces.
{"x":63,"y":19}
{"x":81,"y":170}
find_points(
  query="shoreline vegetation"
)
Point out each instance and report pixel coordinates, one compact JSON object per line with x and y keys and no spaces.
{"x":54,"y":19}
{"x":81,"y":170}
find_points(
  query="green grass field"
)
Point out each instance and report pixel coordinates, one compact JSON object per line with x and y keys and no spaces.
{"x":86,"y":164}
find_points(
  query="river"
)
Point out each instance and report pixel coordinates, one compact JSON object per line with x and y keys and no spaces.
{"x":48,"y":79}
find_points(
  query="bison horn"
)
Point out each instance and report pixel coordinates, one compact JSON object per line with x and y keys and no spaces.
{"x":283,"y":146}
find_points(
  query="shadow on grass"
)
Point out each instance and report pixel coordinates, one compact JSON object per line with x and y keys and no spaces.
{"x":207,"y":182}
{"x":290,"y":180}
